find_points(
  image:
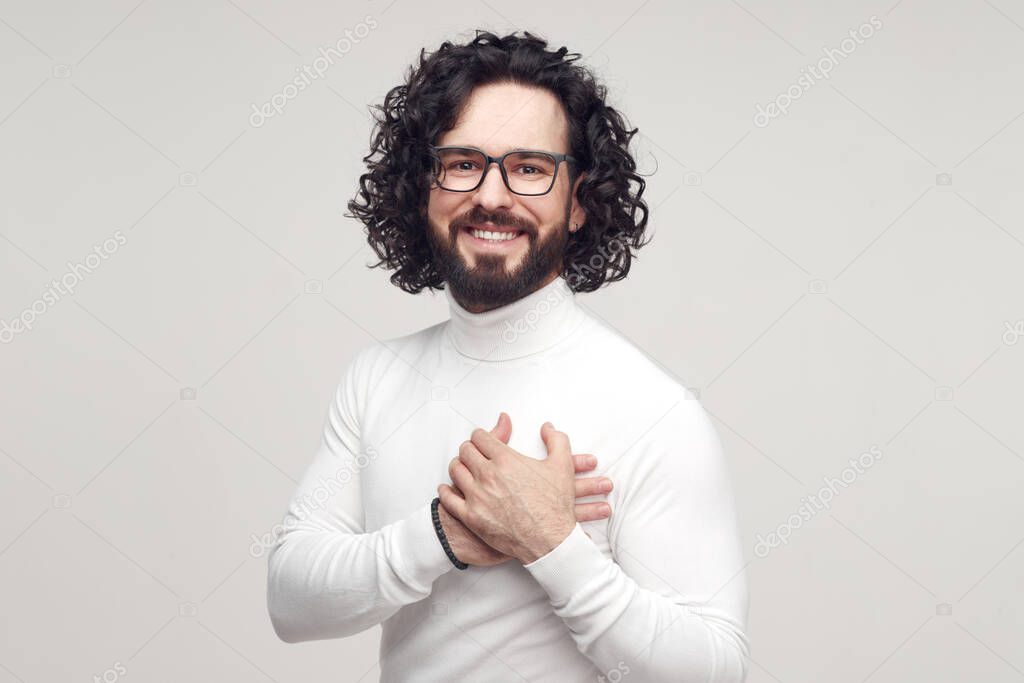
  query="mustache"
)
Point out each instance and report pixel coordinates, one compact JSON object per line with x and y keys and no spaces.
{"x":496,"y":219}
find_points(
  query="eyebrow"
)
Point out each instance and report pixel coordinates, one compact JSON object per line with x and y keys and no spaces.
{"x":513,"y":149}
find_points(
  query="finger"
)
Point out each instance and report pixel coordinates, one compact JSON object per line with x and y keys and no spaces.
{"x":588,"y":512}
{"x":556,"y":442}
{"x":584,"y":462}
{"x":488,"y":444}
{"x":503,"y":429}
{"x":454,"y":490}
{"x":592,"y":486}
{"x":472,"y":458}
{"x":461,"y":476}
{"x":453,"y":503}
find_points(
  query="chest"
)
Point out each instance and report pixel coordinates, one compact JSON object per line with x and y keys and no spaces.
{"x":414,"y":429}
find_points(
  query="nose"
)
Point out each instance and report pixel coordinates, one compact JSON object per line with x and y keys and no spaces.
{"x":492,"y":193}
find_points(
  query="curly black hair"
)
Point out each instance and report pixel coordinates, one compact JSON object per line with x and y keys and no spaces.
{"x":392,"y":197}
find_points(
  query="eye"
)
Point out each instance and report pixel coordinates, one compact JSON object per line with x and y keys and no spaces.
{"x":532,"y":170}
{"x":531,"y":165}
{"x":461,"y":166}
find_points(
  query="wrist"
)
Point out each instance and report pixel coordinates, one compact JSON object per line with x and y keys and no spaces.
{"x":540,"y":545}
{"x":436,"y":512}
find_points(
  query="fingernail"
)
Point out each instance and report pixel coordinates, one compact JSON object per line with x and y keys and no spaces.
{"x":591,"y":460}
{"x":606,"y":509}
{"x":606,"y":485}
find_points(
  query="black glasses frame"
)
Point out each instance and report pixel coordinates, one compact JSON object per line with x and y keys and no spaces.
{"x":500,"y":160}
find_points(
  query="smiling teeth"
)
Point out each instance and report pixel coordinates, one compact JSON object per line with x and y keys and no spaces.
{"x":494,"y":236}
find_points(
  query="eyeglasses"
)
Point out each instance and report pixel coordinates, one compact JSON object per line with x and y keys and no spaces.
{"x":524,"y":172}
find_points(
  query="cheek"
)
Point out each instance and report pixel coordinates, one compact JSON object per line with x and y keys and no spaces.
{"x":442,"y":207}
{"x":546,"y":217}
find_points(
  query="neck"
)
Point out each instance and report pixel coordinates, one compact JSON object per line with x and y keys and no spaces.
{"x":526,"y":326}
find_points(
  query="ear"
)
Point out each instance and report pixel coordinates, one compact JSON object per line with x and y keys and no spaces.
{"x":577,"y":215}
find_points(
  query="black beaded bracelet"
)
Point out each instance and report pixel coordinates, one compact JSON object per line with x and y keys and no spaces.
{"x":441,"y":537}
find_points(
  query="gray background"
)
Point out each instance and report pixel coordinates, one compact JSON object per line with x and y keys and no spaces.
{"x":845,"y":277}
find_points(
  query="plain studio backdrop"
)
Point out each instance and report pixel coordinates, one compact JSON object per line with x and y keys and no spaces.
{"x":837,"y":207}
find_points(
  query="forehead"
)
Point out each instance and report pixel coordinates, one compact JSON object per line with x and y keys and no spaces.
{"x":501,"y":116}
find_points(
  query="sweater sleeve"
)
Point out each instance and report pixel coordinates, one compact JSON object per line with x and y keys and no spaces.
{"x":327,"y":577}
{"x":672,"y":604}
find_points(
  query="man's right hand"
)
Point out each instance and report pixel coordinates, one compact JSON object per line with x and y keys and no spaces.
{"x":469,"y":548}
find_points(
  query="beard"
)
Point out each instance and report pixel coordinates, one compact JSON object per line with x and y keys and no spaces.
{"x":488,"y":284}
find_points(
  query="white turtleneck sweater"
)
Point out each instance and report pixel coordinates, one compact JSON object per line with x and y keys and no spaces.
{"x":656,"y":592}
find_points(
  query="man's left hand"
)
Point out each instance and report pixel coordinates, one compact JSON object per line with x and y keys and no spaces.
{"x":518,"y":505}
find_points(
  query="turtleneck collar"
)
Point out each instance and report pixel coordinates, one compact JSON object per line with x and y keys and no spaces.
{"x":526,"y":326}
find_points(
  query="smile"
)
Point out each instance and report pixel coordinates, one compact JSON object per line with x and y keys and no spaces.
{"x":500,"y":237}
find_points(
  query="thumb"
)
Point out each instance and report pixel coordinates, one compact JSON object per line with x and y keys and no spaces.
{"x":556,"y":442}
{"x":503,"y":429}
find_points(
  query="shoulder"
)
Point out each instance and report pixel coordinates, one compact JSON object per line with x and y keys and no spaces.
{"x":637,"y":368}
{"x":664,"y":417}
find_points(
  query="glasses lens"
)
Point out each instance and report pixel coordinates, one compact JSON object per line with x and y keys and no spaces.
{"x":459,"y":169}
{"x":530,"y":173}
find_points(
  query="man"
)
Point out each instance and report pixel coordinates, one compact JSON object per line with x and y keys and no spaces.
{"x":499,"y":174}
